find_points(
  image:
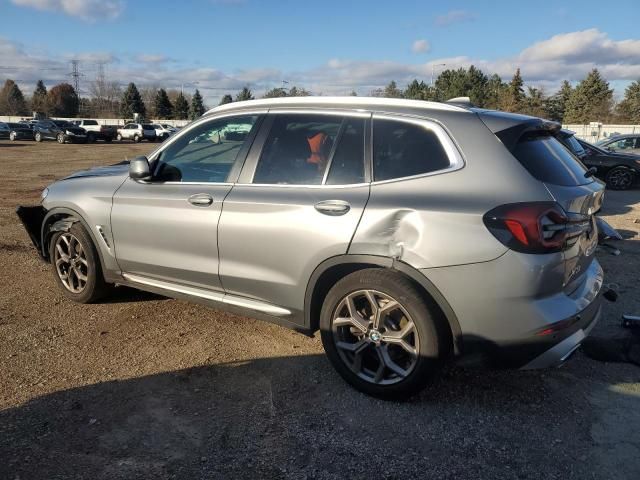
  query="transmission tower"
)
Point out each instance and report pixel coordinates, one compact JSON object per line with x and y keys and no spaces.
{"x":75,"y":75}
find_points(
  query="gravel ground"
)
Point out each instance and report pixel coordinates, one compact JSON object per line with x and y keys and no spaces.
{"x":148,"y":387}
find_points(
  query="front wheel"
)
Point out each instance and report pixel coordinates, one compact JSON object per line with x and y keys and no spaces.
{"x":38,"y":137}
{"x":381,"y":334}
{"x":619,"y":178}
{"x":119,"y":138}
{"x":60,"y":138}
{"x":13,"y":136}
{"x":76,"y":265}
{"x":136,"y":138}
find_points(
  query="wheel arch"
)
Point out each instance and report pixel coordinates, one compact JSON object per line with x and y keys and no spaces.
{"x":335,"y":268}
{"x":61,"y":219}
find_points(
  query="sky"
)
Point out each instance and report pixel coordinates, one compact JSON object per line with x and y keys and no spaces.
{"x":328,"y":47}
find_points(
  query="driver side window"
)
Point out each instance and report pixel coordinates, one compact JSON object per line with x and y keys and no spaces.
{"x":206,"y":153}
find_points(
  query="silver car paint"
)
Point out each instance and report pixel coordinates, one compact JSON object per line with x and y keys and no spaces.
{"x":270,"y":239}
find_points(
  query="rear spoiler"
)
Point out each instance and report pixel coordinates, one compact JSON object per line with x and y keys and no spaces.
{"x":510,"y":127}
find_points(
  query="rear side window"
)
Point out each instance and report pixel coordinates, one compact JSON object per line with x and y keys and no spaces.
{"x":548,"y":161}
{"x":403,"y":149}
{"x":90,"y":122}
{"x":347,"y":164}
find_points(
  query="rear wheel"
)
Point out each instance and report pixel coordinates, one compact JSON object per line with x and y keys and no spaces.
{"x":619,"y":178}
{"x":60,"y":138}
{"x":38,"y":137}
{"x":380,"y":333}
{"x":13,"y":136}
{"x":76,"y":265}
{"x":91,"y":138}
{"x":136,"y":138}
{"x":119,"y":138}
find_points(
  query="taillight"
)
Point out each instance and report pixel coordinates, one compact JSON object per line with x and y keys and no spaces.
{"x":534,"y":227}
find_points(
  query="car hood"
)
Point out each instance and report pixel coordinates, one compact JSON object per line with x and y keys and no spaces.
{"x":118,"y":170}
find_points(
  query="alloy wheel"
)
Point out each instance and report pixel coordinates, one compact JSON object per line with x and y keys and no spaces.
{"x":375,"y":337}
{"x":71,"y":262}
{"x":620,"y":179}
{"x":60,"y":138}
{"x":12,"y":136}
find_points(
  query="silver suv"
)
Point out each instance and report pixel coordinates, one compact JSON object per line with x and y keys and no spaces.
{"x":407,"y":232}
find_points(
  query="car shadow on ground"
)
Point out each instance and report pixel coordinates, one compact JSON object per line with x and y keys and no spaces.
{"x":293,"y":417}
{"x":7,"y":145}
{"x":618,"y":202}
{"x":122,"y":294}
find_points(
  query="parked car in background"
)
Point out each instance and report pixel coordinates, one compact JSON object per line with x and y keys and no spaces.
{"x":619,"y":170}
{"x":4,"y":130}
{"x":20,"y":131}
{"x":163,"y":131}
{"x":60,"y":130}
{"x":95,"y":131}
{"x":137,"y":132}
{"x":628,"y":143}
{"x":29,"y":123}
{"x":408,"y":232}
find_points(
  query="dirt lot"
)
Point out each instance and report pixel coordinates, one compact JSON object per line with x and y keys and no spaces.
{"x":147,"y":387}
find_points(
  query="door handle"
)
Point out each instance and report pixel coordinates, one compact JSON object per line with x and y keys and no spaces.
{"x":333,"y":208}
{"x":201,"y":199}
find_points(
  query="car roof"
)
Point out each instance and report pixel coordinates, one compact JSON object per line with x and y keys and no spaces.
{"x":624,"y":135}
{"x":365,"y":103}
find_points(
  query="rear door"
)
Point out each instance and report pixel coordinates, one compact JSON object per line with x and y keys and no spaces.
{"x":581,"y":197}
{"x":300,"y":196}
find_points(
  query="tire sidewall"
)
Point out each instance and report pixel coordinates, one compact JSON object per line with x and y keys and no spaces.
{"x":93,"y":267}
{"x":430,"y":348}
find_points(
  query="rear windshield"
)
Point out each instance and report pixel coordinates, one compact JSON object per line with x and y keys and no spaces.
{"x":549,"y":161}
{"x":575,"y":146}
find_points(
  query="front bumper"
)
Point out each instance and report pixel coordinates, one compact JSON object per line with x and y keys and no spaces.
{"x":32,"y":218}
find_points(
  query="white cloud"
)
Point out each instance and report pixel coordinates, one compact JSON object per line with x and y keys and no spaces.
{"x":88,"y":10}
{"x":454,"y":16}
{"x":543,"y":64}
{"x":420,"y":46}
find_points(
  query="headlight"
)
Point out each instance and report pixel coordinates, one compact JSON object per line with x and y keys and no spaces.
{"x":44,"y":194}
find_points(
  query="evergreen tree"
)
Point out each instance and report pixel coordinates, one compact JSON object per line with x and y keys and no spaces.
{"x":197,"y":105}
{"x":590,"y":101}
{"x":470,"y":83}
{"x":245,"y":94}
{"x":181,"y":108}
{"x":39,"y":98}
{"x":162,"y":105}
{"x":11,"y":99}
{"x":298,"y":92}
{"x":557,"y":104}
{"x":629,"y":108}
{"x":535,"y":103}
{"x":353,"y":93}
{"x":132,"y":102}
{"x":226,"y":99}
{"x":276,"y":92}
{"x":476,"y":86}
{"x":392,"y":90}
{"x":63,"y":101}
{"x":494,"y":92}
{"x":513,"y":98}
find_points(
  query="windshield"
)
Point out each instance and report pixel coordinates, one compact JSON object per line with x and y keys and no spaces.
{"x":63,"y":123}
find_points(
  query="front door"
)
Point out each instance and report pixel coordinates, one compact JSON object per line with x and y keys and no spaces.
{"x":166,"y":229}
{"x":298,"y":202}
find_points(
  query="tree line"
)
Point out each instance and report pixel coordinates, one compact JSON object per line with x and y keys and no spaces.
{"x":591,"y":99}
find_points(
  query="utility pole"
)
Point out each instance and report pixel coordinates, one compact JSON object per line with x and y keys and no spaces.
{"x":75,"y":75}
{"x":433,"y":66}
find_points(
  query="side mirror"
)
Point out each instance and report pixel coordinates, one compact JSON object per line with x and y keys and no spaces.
{"x":139,"y":168}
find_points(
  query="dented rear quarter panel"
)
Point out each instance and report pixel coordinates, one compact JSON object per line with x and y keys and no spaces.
{"x":435,"y":220}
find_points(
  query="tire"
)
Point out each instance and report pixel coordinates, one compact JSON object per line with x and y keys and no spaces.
{"x":119,"y":137}
{"x":619,"y":178}
{"x":38,"y":137}
{"x":60,"y":138}
{"x":108,"y":139}
{"x":94,"y":286}
{"x":13,"y":136}
{"x":427,"y":336}
{"x":91,"y":138}
{"x":137,"y":139}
